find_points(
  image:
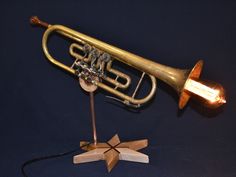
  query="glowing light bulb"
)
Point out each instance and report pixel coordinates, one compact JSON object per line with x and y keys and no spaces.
{"x":212,"y":94}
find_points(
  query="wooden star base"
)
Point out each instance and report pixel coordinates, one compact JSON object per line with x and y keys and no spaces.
{"x":112,"y":151}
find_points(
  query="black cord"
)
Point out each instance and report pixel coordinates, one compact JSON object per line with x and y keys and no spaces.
{"x":31,"y":161}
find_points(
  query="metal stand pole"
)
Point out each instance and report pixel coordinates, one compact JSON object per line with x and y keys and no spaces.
{"x":91,"y":95}
{"x":111,"y":151}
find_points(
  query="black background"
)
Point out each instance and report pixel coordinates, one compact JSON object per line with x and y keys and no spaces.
{"x":44,"y":111}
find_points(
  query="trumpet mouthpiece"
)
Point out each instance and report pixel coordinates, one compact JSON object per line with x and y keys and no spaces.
{"x":36,"y":21}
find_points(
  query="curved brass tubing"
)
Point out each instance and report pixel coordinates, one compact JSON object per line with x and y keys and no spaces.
{"x":79,"y":38}
{"x":176,"y":78}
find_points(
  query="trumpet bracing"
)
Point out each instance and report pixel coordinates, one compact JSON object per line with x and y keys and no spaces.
{"x":93,"y":60}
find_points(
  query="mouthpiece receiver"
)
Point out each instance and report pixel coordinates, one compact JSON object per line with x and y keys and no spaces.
{"x":36,"y":21}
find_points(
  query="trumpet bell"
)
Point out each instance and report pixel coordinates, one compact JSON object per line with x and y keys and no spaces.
{"x":194,"y":74}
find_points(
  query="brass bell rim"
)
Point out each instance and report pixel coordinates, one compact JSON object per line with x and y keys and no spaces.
{"x":194,"y":74}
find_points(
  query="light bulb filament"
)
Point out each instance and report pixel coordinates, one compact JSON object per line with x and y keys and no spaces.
{"x":212,"y":95}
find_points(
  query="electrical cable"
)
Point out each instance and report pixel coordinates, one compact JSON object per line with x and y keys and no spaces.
{"x":37,"y":159}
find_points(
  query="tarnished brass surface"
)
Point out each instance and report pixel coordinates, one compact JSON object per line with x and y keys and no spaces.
{"x":174,"y":77}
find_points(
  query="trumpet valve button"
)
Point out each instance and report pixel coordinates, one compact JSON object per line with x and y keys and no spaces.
{"x":105,"y":57}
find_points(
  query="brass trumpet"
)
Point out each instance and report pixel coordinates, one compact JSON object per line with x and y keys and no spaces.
{"x":94,"y":61}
